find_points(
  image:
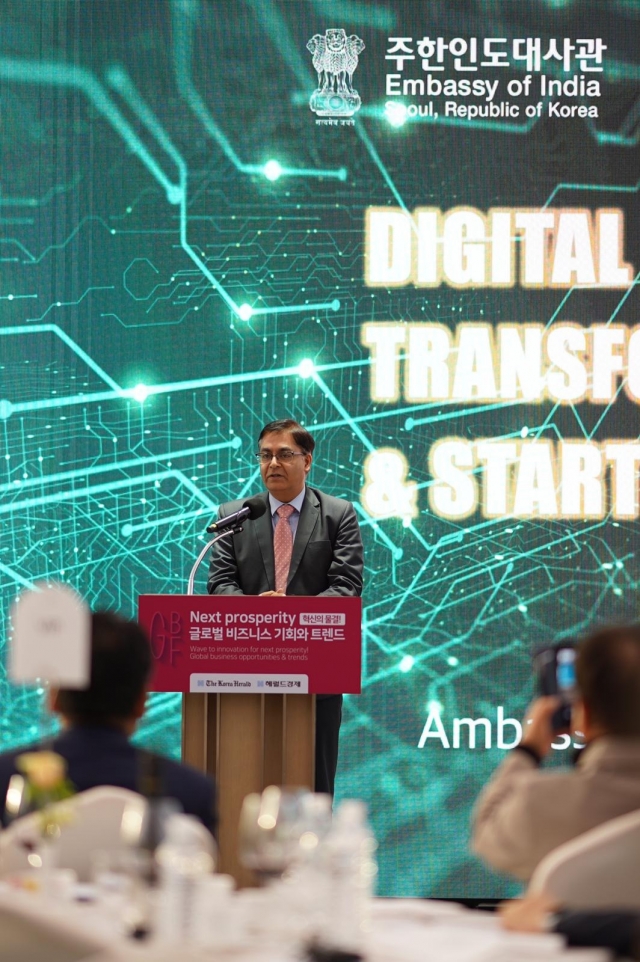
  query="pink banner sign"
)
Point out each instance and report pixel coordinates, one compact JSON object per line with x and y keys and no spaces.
{"x":242,"y":643}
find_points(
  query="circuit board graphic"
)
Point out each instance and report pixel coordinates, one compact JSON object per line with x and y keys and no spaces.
{"x":182,"y":261}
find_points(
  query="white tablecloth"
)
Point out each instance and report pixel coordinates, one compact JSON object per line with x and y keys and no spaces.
{"x":402,"y":930}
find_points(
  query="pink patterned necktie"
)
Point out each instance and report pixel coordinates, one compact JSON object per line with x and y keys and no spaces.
{"x":283,"y":546}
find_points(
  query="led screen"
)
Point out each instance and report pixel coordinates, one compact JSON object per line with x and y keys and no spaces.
{"x":413,"y":227}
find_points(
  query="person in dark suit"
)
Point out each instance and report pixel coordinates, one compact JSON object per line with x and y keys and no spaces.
{"x":99,"y":721}
{"x":306,"y":543}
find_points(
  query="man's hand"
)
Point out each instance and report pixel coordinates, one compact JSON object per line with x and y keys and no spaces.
{"x":529,"y":914}
{"x":538,"y":731}
{"x":271,"y":594}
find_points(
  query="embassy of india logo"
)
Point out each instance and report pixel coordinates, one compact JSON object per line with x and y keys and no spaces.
{"x":335,"y":58}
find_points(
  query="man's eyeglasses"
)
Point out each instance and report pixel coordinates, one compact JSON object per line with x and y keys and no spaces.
{"x":264,"y":457}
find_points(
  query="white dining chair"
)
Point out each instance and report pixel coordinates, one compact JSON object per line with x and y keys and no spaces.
{"x":101,"y":819}
{"x":600,"y":869}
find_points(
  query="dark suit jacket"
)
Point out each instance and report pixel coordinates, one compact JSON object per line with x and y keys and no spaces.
{"x":105,"y":756}
{"x":327,"y":551}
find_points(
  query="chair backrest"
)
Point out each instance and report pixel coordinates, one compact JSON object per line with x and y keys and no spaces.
{"x":105,"y":818}
{"x":600,"y":869}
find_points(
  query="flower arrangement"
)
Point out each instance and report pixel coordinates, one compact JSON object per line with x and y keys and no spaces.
{"x":46,"y":784}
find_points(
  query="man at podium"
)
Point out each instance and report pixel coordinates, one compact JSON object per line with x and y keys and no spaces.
{"x":306,"y":543}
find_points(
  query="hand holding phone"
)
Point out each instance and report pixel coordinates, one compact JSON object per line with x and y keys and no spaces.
{"x":556,"y":670}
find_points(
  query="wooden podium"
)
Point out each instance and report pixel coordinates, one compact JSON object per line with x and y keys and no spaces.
{"x":249,"y":668}
{"x":248,"y":742}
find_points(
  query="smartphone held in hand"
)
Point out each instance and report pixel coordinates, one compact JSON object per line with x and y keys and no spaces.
{"x":555,"y":667}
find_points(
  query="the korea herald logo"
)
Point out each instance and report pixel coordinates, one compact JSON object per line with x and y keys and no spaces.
{"x":335,"y":58}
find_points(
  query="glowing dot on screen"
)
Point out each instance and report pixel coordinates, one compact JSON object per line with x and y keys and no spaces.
{"x":407,"y":663}
{"x":453,"y":661}
{"x":116,"y":75}
{"x":6,"y":409}
{"x":272,"y":170}
{"x":396,"y":114}
{"x":435,"y":706}
{"x":127,"y":530}
{"x":524,"y":432}
{"x":140,"y":393}
{"x":306,"y":367}
{"x":523,"y":609}
{"x":245,"y":312}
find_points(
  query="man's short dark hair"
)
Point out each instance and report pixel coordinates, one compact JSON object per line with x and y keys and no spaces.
{"x":120,"y":669}
{"x":300,"y":435}
{"x":608,"y":674}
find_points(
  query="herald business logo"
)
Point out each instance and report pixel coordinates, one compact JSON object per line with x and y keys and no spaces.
{"x":212,"y":682}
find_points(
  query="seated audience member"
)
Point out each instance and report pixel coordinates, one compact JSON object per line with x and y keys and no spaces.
{"x":97,"y":724}
{"x":523,"y":813}
{"x":617,"y":931}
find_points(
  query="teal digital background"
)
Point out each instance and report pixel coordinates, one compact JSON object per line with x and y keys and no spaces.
{"x":136,"y":220}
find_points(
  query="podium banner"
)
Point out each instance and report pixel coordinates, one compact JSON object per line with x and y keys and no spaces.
{"x":248,"y":644}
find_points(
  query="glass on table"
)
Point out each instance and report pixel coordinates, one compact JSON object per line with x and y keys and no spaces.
{"x":279,"y":834}
{"x":120,"y":882}
{"x":269,"y":832}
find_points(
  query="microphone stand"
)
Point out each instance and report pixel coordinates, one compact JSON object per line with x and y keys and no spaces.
{"x":235,"y":529}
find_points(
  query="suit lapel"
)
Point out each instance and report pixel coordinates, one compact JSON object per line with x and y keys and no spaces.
{"x":306,"y":524}
{"x":263,"y":528}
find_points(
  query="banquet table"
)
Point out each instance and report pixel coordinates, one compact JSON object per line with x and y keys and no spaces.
{"x":401,"y":930}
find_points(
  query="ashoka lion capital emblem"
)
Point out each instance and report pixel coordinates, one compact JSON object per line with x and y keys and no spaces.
{"x":335,"y":58}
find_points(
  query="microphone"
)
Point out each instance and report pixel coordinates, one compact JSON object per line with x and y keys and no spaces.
{"x":253,"y":508}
